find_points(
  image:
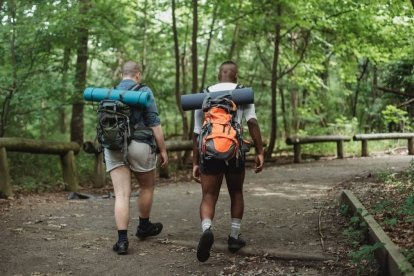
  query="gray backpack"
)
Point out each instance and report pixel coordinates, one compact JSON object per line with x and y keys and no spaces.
{"x":113,"y":130}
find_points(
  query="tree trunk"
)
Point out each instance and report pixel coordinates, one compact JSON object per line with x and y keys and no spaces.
{"x":273,"y":127}
{"x":184,"y":60}
{"x":359,"y":80}
{"x":65,"y":69}
{"x":177,"y":84}
{"x":295,"y":102}
{"x":234,"y":42}
{"x":203,"y":80}
{"x":177,"y":74}
{"x":284,"y":113}
{"x":194,"y":54}
{"x":194,"y":61}
{"x":76,"y":125}
{"x":144,"y":46}
{"x":235,"y":38}
{"x":5,"y":114}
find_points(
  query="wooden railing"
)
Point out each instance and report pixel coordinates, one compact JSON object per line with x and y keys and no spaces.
{"x":99,"y":167}
{"x":66,"y":151}
{"x":364,"y":138}
{"x":298,"y":141}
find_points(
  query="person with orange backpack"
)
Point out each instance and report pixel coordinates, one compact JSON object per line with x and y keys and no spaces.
{"x":219,"y":151}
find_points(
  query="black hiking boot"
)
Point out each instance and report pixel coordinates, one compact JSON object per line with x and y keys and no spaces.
{"x":204,"y":245}
{"x":152,"y":229}
{"x":235,"y":244}
{"x":121,"y":247}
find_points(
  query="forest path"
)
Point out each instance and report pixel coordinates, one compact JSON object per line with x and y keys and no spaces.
{"x":284,"y":208}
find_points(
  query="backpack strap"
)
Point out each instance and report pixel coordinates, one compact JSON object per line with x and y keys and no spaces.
{"x":206,"y":90}
{"x":137,"y":86}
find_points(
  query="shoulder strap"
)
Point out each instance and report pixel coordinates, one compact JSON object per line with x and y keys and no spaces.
{"x":137,"y":86}
{"x":206,"y":90}
{"x":238,"y":86}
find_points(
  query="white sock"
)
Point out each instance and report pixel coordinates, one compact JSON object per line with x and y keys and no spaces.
{"x":205,"y":224}
{"x":235,"y":228}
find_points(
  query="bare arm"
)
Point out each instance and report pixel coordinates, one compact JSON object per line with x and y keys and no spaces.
{"x":196,"y":159}
{"x":256,"y":135}
{"x":159,"y":139}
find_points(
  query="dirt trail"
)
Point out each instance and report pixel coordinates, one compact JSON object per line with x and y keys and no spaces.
{"x":49,"y":235}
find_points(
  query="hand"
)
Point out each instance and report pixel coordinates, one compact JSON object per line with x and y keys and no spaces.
{"x":259,"y":163}
{"x":164,"y":159}
{"x":196,"y":173}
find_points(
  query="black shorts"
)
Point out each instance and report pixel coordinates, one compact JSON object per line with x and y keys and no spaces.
{"x":216,"y":166}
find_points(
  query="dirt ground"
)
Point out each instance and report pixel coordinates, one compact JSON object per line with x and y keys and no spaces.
{"x":287,"y":209}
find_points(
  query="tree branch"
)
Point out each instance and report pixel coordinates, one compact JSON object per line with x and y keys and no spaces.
{"x":302,"y":56}
{"x":262,"y":58}
{"x":230,"y":21}
{"x":406,"y":102}
{"x":392,"y":90}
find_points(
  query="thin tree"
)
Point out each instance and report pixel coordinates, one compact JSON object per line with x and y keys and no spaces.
{"x":276,"y":52}
{"x":194,"y":54}
{"x":76,"y":126}
{"x":194,"y":59}
{"x":177,"y":72}
{"x":5,"y":112}
{"x":65,"y":69}
{"x":210,"y":36}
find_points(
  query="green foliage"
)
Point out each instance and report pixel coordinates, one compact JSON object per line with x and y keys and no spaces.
{"x":344,"y":126}
{"x":387,"y":175}
{"x":408,"y":209}
{"x":410,"y":171}
{"x":394,"y":115}
{"x":364,"y":257}
{"x":41,"y":172}
{"x":344,"y":209}
{"x":324,"y":45}
{"x":409,"y":254}
{"x":363,"y":254}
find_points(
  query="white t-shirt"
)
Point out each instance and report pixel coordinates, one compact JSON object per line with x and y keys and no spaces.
{"x":246,"y":111}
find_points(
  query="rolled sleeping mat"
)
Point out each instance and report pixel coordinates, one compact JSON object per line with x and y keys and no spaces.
{"x":239,"y":96}
{"x":126,"y":96}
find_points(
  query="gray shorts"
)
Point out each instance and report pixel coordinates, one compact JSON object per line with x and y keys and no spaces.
{"x":140,"y":158}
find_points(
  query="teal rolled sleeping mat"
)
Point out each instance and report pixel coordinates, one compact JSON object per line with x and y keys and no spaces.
{"x":126,"y":96}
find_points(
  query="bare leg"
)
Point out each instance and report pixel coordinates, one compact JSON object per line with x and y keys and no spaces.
{"x":146,"y":181}
{"x":121,"y":180}
{"x":210,"y":185}
{"x":235,"y":188}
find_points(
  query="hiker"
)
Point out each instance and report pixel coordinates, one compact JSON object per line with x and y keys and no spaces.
{"x":210,"y":172}
{"x":146,"y":136}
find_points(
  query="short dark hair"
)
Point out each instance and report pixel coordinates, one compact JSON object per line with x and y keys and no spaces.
{"x":229,"y":62}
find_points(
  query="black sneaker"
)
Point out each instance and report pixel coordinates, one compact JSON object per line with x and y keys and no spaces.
{"x":204,"y":245}
{"x":153,"y":229}
{"x":121,"y":247}
{"x":235,"y":244}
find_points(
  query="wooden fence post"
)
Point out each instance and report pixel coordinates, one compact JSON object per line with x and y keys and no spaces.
{"x":69,"y":171}
{"x":5,"y":186}
{"x":411,"y":146}
{"x":340,"y":149}
{"x":364,"y":150}
{"x":296,"y":149}
{"x":99,"y":172}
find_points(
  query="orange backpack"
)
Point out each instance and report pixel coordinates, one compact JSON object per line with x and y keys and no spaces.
{"x":220,"y":135}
